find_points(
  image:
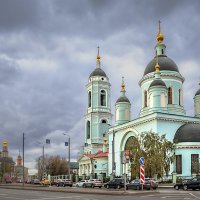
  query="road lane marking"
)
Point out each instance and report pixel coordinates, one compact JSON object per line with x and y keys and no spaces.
{"x":194,"y":196}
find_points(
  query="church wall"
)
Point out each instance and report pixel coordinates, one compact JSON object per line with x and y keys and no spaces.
{"x":186,"y":159}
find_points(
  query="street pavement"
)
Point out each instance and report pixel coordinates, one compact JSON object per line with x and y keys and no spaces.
{"x":168,"y":194}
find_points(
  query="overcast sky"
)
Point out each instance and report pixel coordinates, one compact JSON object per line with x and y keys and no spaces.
{"x":48,"y":50}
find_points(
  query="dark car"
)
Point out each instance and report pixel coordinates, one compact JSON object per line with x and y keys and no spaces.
{"x":115,"y":183}
{"x":192,"y":184}
{"x":64,"y":183}
{"x":136,"y":185}
{"x":178,"y":186}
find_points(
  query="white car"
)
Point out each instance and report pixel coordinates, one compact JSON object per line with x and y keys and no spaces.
{"x":83,"y":183}
{"x":96,"y":183}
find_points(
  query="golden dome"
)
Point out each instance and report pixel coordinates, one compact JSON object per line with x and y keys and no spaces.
{"x":5,"y":143}
{"x":160,"y":37}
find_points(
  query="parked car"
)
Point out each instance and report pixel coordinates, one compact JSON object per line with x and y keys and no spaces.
{"x":115,"y":183}
{"x":54,"y":182}
{"x":192,"y":184}
{"x":36,"y":181}
{"x":136,"y":185}
{"x":64,"y":183}
{"x":45,"y":182}
{"x":96,"y":183}
{"x":178,"y":186}
{"x":83,"y":183}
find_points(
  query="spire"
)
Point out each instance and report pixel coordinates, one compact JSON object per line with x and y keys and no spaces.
{"x":160,"y":36}
{"x":157,"y":69}
{"x":123,"y":85}
{"x":98,"y":59}
{"x":123,"y":91}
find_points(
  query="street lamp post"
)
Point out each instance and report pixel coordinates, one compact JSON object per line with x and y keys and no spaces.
{"x":68,"y":153}
{"x":23,"y":160}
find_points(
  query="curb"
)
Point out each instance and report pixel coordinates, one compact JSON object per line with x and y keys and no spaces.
{"x":46,"y":189}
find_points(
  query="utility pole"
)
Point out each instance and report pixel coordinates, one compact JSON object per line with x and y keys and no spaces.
{"x":69,"y":157}
{"x":23,"y":160}
{"x":43,"y":170}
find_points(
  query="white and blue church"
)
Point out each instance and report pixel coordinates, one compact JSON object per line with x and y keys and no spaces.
{"x":162,"y":112}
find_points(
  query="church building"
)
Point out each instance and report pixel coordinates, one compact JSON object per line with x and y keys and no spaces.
{"x":162,"y":112}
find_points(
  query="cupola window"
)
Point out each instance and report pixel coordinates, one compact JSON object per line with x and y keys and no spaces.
{"x":180,"y":97}
{"x":89,"y":98}
{"x":88,"y":129}
{"x":179,"y":164}
{"x":145,"y":98}
{"x":169,"y":95}
{"x":103,"y":98}
{"x":195,"y":163}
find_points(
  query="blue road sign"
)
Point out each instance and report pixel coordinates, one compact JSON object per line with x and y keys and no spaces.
{"x":141,"y":160}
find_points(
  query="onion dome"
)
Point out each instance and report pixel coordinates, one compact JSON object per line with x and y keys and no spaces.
{"x":188,"y":133}
{"x":157,"y":82}
{"x":98,"y":71}
{"x":198,"y":92}
{"x":165,"y":64}
{"x":123,"y":98}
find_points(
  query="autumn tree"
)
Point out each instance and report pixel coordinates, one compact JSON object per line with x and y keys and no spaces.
{"x":53,"y":165}
{"x":156,"y":150}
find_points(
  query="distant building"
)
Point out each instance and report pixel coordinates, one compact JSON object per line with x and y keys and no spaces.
{"x":19,"y":170}
{"x":6,"y":163}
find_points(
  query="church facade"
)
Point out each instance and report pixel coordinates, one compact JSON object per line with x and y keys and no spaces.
{"x":162,"y":112}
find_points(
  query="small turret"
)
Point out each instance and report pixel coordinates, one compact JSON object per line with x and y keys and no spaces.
{"x":122,"y":107}
{"x":197,"y":103}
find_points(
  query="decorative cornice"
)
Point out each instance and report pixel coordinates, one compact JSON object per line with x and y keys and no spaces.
{"x":149,"y":120}
{"x":188,"y":147}
{"x":151,"y":76}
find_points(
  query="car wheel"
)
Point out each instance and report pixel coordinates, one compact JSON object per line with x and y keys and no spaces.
{"x":118,"y":187}
{"x":77,"y":185}
{"x":57,"y":185}
{"x":138,"y":187}
{"x":185,"y":187}
{"x":177,"y":187}
{"x":107,"y":186}
{"x":99,"y":186}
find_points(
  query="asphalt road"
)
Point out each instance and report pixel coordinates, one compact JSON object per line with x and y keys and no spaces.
{"x":169,"y":194}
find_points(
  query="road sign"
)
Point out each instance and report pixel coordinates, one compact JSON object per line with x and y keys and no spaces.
{"x":142,"y":175}
{"x":141,"y":160}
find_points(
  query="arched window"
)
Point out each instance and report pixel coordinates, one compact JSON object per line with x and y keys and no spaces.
{"x":89,"y":99}
{"x":88,"y":129}
{"x":169,"y":95}
{"x":179,"y":97}
{"x":103,"y":98}
{"x":103,"y":121}
{"x":145,"y":98}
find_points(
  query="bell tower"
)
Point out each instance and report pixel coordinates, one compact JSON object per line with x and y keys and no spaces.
{"x":98,"y":115}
